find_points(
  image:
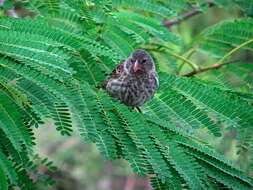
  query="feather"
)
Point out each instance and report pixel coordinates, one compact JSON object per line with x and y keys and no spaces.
{"x":130,"y":86}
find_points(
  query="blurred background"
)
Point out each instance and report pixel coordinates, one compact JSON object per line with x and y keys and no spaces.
{"x":81,"y":167}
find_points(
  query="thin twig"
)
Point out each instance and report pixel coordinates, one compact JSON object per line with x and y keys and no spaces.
{"x":235,"y":50}
{"x":167,"y":50}
{"x":168,"y":23}
{"x":190,"y":53}
{"x":221,"y":62}
{"x":212,"y":67}
{"x":190,"y":63}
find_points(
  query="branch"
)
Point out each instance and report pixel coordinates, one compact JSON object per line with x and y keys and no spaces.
{"x":212,"y":67}
{"x":221,"y":62}
{"x":190,"y":53}
{"x":235,"y":50}
{"x":185,"y":60}
{"x":168,"y":23}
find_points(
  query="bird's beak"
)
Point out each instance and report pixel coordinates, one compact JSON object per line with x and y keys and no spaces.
{"x":137,"y":66}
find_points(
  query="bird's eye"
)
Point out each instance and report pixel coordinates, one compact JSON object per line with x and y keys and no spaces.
{"x":132,"y":61}
{"x":143,"y":61}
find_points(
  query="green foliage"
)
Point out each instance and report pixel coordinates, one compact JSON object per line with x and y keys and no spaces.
{"x":51,"y":67}
{"x":225,"y":36}
{"x":245,"y":6}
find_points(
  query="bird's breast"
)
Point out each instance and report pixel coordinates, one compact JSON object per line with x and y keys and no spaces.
{"x":131,"y":90}
{"x":138,"y":91}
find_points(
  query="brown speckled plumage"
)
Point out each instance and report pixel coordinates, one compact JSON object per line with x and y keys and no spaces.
{"x":134,"y":81}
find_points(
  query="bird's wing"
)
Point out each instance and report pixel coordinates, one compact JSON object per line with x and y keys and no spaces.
{"x":154,"y":78}
{"x":114,"y":74}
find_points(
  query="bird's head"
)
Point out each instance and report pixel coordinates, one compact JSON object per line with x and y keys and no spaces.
{"x":141,"y":62}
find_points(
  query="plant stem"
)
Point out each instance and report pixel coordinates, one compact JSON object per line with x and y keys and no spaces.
{"x":168,"y":23}
{"x":212,"y":67}
{"x":221,"y":62}
{"x":167,"y":50}
{"x":234,"y":50}
{"x":190,"y":53}
{"x":185,"y":60}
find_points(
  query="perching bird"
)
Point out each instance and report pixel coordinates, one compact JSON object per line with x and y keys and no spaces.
{"x":134,"y":81}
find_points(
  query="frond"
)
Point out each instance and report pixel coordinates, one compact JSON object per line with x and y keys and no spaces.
{"x":7,"y":168}
{"x":223,"y":37}
{"x":236,"y":77}
{"x":44,"y":7}
{"x":190,"y":103}
{"x":246,"y":6}
{"x":148,"y":6}
{"x":12,"y":123}
{"x":149,"y":25}
{"x":3,"y":178}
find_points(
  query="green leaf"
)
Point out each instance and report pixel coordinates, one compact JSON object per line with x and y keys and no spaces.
{"x":3,"y":179}
{"x":246,"y":6}
{"x":8,"y":169}
{"x":224,"y":36}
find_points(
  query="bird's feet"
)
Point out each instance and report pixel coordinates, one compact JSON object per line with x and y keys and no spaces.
{"x":138,"y":109}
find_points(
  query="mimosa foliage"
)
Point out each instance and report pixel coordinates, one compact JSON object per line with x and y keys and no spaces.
{"x":51,"y":67}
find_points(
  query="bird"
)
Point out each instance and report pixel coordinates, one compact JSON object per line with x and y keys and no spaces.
{"x":134,"y":81}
